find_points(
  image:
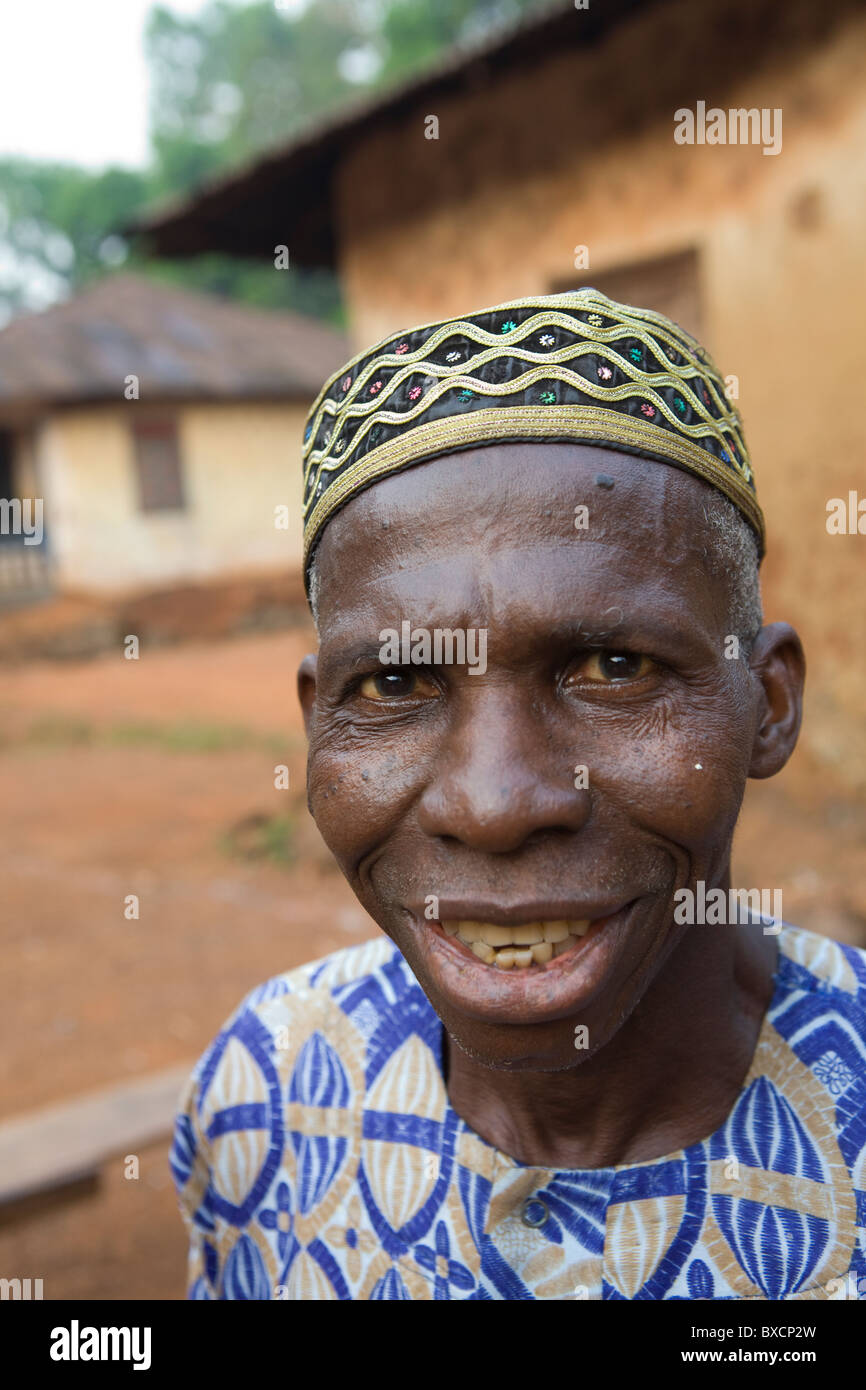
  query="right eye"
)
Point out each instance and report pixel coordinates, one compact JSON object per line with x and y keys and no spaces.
{"x":398,"y":685}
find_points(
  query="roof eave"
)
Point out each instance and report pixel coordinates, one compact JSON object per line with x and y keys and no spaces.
{"x":237,"y":212}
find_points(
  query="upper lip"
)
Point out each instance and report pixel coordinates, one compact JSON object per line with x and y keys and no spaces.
{"x":517,"y":914}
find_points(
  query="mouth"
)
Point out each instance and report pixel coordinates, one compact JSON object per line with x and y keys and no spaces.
{"x":519,"y":947}
{"x":527,"y":963}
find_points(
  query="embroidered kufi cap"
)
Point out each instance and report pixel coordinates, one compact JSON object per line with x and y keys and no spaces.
{"x":575,"y":366}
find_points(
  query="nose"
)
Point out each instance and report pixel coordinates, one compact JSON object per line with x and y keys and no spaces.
{"x":501,"y":776}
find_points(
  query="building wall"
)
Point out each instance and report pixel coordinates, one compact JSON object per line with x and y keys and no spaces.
{"x":579,"y":151}
{"x":239,"y":463}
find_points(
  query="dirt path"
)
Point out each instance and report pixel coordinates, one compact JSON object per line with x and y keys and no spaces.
{"x":146,"y":778}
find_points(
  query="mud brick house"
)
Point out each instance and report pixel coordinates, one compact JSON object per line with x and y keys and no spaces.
{"x":555,"y":146}
{"x":160,"y":429}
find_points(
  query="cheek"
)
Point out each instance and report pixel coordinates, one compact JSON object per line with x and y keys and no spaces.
{"x":358,"y":793}
{"x":686,"y":779}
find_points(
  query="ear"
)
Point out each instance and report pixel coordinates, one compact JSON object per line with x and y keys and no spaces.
{"x":307,"y":689}
{"x":777,"y":663}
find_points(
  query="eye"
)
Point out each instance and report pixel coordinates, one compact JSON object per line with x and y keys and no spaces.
{"x":607,"y":667}
{"x":398,"y":685}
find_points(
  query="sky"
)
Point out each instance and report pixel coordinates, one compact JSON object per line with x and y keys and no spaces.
{"x":73,"y":82}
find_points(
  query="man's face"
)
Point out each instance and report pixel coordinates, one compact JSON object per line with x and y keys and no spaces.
{"x":606,"y":650}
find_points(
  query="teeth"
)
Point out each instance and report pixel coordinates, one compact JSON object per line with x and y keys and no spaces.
{"x":528,"y":935}
{"x":498,"y":936}
{"x":484,"y":952}
{"x":536,"y":942}
{"x":555,"y":931}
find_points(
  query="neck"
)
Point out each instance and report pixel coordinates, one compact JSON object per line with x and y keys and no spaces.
{"x":667,"y":1078}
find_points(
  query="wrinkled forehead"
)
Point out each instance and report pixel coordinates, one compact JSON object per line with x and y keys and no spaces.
{"x":521,"y":514}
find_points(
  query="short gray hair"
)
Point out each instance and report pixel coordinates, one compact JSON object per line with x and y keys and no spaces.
{"x":734,"y":553}
{"x":313,"y":593}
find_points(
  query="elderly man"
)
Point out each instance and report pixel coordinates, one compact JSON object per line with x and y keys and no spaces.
{"x":574,"y":1066}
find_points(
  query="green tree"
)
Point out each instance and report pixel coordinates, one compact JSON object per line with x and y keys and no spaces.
{"x":56,"y":225}
{"x":233,"y":80}
{"x":226,"y":85}
{"x":414,"y":33}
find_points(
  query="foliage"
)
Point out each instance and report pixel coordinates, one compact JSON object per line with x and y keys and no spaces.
{"x":226,"y":84}
{"x":56,"y":225}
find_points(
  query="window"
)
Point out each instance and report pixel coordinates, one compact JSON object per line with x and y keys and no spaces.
{"x":6,"y":448}
{"x":157,"y":463}
{"x":668,"y":284}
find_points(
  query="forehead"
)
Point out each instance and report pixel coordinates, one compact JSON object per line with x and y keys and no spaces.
{"x":512,"y":522}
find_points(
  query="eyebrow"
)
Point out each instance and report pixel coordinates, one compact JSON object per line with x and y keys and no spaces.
{"x":677,"y":637}
{"x":343,"y":659}
{"x":595,"y":630}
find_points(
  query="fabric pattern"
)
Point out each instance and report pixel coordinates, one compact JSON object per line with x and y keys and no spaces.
{"x":317,"y":1156}
{"x":574,"y":366}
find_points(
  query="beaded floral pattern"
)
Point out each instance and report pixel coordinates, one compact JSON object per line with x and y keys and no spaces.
{"x":573,"y":366}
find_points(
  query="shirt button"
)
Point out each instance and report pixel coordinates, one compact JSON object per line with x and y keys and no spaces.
{"x":534,"y":1212}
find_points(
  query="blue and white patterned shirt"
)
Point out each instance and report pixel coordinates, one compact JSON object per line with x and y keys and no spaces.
{"x":317,"y":1156}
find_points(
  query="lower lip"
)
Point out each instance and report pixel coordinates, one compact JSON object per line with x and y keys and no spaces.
{"x":525,"y":994}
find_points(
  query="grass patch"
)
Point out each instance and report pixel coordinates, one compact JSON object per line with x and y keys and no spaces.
{"x":262,"y":837}
{"x":188,"y":736}
{"x":59,"y":731}
{"x":184,"y":736}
